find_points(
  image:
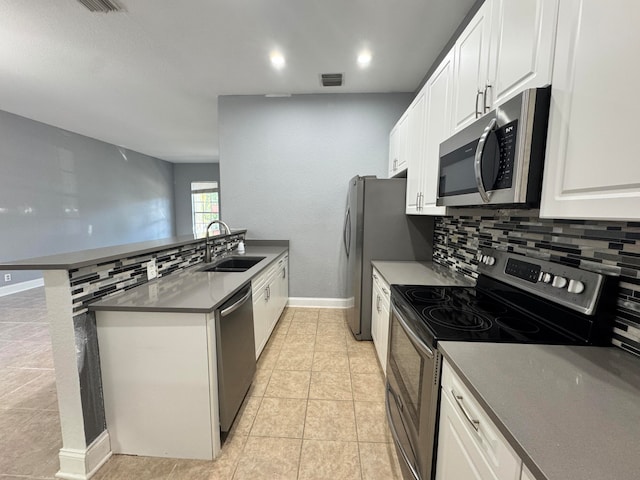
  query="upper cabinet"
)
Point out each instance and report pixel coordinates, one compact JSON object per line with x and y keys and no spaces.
{"x":522,"y":39}
{"x":506,"y":48}
{"x":398,"y":147}
{"x":471,"y":66}
{"x":587,"y":174}
{"x":438,"y":120}
{"x":422,"y":175}
{"x":415,"y":150}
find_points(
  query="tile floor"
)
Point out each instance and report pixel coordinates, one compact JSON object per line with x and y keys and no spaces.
{"x":315,"y":409}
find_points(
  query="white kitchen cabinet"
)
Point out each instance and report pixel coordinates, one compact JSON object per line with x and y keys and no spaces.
{"x":270,"y":292}
{"x":439,"y":93}
{"x":380,"y":307}
{"x":506,"y":48}
{"x":591,"y":168}
{"x":415,"y":150}
{"x":261,"y":316}
{"x":521,"y":52}
{"x":398,"y":146}
{"x":471,"y":67}
{"x":469,"y":444}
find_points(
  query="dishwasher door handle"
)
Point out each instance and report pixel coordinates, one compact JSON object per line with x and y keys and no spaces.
{"x":235,"y":306}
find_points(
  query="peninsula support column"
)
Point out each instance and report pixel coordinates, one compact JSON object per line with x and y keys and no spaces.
{"x":78,"y":461}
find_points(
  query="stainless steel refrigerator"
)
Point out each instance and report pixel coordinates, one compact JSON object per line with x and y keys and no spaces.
{"x":377,"y":228}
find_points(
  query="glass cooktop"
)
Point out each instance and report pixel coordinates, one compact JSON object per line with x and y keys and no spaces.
{"x":469,"y":314}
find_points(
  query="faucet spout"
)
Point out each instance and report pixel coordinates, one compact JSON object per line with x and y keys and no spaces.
{"x":207,"y":252}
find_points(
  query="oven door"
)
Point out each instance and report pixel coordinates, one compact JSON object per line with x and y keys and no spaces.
{"x":413,"y":380}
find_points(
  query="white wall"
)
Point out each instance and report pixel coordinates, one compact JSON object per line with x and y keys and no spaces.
{"x":284,"y":168}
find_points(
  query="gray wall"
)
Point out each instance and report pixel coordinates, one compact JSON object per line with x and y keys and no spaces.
{"x":284,"y":168}
{"x":184,"y":174}
{"x":60,"y":192}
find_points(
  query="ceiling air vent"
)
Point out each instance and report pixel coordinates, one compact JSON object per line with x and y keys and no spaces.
{"x":331,"y":79}
{"x":103,"y":6}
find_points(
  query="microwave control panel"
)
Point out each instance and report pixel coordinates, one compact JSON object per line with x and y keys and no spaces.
{"x":506,"y":137}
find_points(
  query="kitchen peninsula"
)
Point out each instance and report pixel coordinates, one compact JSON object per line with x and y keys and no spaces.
{"x":74,"y":281}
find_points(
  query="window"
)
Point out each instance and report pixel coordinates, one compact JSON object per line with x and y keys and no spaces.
{"x":204,"y":206}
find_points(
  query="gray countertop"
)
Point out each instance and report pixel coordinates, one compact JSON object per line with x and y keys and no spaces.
{"x":189,"y":291}
{"x":419,"y":273}
{"x":73,"y":260}
{"x":569,"y":412}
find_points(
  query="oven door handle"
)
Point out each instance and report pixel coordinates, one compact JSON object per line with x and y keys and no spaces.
{"x":477,"y":164}
{"x":396,"y":438}
{"x":419,"y":344}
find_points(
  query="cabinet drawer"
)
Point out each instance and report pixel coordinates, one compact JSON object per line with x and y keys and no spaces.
{"x":261,"y":280}
{"x":383,"y":286}
{"x":478,"y":427}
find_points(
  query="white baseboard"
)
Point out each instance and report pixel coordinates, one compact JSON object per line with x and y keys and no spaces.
{"x":310,"y":302}
{"x":21,"y":287}
{"x":83,"y":464}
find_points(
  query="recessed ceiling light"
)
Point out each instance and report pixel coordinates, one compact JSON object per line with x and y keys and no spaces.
{"x":364,"y":58}
{"x":277,"y":60}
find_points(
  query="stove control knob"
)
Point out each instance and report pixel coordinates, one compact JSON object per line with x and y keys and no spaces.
{"x":490,"y":261}
{"x":547,"y":277}
{"x":576,"y":286}
{"x":559,"y":282}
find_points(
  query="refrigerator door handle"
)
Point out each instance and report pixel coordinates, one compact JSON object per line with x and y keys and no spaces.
{"x":346,"y":233}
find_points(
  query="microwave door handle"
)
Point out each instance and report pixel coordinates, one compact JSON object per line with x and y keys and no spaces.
{"x":478,"y":159}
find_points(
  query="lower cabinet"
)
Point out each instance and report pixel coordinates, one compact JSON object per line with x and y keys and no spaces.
{"x":270,"y":292}
{"x":380,"y":307}
{"x":469,"y":444}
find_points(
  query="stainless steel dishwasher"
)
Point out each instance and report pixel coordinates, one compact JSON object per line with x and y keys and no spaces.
{"x":236,"y":353}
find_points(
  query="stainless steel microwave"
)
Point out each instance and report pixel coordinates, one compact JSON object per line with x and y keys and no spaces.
{"x":498,"y":159}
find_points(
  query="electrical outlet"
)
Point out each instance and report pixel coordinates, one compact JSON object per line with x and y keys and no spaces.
{"x":152,"y":269}
{"x":7,"y":277}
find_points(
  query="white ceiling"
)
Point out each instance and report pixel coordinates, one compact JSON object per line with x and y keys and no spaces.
{"x":148,"y":79}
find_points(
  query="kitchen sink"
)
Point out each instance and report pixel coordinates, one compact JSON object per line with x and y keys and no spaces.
{"x":232,"y":264}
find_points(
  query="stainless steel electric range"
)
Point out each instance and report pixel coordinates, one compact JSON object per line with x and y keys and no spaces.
{"x":517,"y":299}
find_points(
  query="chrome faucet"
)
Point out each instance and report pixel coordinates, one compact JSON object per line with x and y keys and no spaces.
{"x":207,"y":252}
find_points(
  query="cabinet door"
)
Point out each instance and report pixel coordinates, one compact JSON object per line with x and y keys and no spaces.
{"x":260,"y":319}
{"x":375,"y":314}
{"x":393,"y":150}
{"x":282,"y":282}
{"x":415,"y":153}
{"x":471,"y":65}
{"x":383,"y":334}
{"x":438,"y":122}
{"x":398,"y":146}
{"x":458,"y":457}
{"x":592,"y":170}
{"x":522,"y":40}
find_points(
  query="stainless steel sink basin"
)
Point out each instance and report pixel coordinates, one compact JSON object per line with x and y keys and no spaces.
{"x":232,"y":264}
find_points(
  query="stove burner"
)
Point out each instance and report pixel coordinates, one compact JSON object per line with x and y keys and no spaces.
{"x":431,"y":295}
{"x":515,"y":324}
{"x":488,"y":307}
{"x":457,"y":319}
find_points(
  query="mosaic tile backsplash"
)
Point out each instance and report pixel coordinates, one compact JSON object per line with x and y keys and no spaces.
{"x":606,"y":247}
{"x":92,"y":283}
